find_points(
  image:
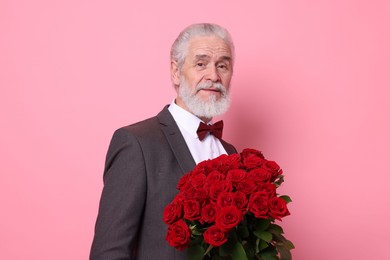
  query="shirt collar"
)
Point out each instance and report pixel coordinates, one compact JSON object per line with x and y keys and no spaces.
{"x":184,"y":119}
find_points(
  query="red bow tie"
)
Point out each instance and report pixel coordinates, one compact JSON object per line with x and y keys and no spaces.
{"x":215,"y":129}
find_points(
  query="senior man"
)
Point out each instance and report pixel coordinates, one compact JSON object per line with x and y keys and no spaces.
{"x":145,"y":160}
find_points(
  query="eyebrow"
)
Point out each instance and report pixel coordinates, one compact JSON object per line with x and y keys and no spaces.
{"x":204,"y":56}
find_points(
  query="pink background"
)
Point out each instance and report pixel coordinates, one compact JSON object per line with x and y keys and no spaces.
{"x":311,"y":90}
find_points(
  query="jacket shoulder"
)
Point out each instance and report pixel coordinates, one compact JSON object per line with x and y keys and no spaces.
{"x":150,"y":126}
{"x":141,"y":128}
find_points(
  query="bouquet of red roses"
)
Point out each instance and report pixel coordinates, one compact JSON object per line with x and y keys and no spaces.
{"x":227,"y":207}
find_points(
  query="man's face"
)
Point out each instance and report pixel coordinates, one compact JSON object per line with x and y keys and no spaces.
{"x":207,"y":66}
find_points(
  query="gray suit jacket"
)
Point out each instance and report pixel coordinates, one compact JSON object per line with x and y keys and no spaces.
{"x":143,"y":165}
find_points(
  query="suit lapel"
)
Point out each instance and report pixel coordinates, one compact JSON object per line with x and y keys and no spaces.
{"x":228,"y":147}
{"x":178,"y":144}
{"x":176,"y":140}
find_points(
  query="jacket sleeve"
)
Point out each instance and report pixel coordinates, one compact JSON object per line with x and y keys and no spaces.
{"x":122,"y":200}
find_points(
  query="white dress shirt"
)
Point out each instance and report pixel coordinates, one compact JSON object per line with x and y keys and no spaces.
{"x":208,"y":148}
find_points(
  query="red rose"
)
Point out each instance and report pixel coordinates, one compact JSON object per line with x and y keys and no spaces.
{"x":233,"y":161}
{"x":247,"y":186}
{"x":178,"y":235}
{"x":278,"y":208}
{"x":183,"y":182}
{"x":172,"y":212}
{"x":213,"y":177}
{"x":228,"y":217}
{"x":252,"y":158}
{"x":202,"y":167}
{"x":225,"y":162}
{"x":269,"y":188}
{"x":180,"y":197}
{"x":191,"y":210}
{"x":258,"y":204}
{"x":214,"y":163}
{"x":218,"y":187}
{"x":215,"y":236}
{"x":252,"y":162}
{"x":200,"y":195}
{"x":240,"y":201}
{"x":225,"y":199}
{"x":235,"y":176}
{"x":215,"y":196}
{"x":208,"y":213}
{"x":260,"y":175}
{"x":249,"y":152}
{"x":189,"y":193}
{"x":218,"y":163}
{"x":273,"y":168}
{"x":197,"y":180}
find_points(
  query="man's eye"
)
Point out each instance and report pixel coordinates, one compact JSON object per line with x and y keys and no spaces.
{"x":222,"y":66}
{"x":200,"y":64}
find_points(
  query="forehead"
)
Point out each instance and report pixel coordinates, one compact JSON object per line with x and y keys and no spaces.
{"x":208,"y":45}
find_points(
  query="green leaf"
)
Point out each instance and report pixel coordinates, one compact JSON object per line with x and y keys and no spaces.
{"x":233,"y":248}
{"x":196,"y":240}
{"x":289,"y":244}
{"x":264,"y":235}
{"x":286,"y":198}
{"x":224,"y":250}
{"x":269,"y":254}
{"x":283,"y":246}
{"x":195,"y":252}
{"x":258,"y":245}
{"x":280,"y":239}
{"x":284,"y":253}
{"x":250,"y":249}
{"x":268,"y":257}
{"x":243,"y":231}
{"x":239,"y":252}
{"x":227,"y":248}
{"x":262,"y":224}
{"x":279,"y":181}
{"x":262,"y":245}
{"x":275,"y":229}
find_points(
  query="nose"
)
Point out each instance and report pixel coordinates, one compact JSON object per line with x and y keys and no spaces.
{"x":212,"y":74}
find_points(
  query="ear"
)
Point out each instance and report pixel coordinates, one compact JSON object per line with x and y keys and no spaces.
{"x":175,"y":73}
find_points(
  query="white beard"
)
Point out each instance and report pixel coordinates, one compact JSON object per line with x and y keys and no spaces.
{"x":204,"y":108}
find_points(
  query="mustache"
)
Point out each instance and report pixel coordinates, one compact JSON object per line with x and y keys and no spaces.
{"x":210,"y":85}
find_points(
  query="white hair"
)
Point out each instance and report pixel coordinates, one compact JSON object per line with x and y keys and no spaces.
{"x":180,"y":46}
